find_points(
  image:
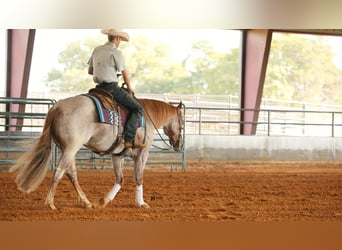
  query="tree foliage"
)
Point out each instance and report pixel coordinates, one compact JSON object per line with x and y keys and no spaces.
{"x":72,"y":76}
{"x":300,"y":68}
{"x":153,"y":68}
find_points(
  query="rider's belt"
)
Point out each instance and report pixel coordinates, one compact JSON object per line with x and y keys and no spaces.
{"x":109,"y":83}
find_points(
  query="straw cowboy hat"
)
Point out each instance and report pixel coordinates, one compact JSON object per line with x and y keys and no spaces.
{"x":124,"y":36}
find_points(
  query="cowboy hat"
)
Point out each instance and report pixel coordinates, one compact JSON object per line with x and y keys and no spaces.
{"x":124,"y":36}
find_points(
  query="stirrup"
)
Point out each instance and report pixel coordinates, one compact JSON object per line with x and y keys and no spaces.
{"x":139,"y":145}
{"x":129,"y":144}
{"x":122,"y":152}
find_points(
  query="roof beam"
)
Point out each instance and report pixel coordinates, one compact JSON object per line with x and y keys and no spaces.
{"x":255,"y":50}
{"x":19,"y":56}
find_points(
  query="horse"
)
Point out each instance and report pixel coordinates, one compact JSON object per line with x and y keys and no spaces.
{"x":72,"y":123}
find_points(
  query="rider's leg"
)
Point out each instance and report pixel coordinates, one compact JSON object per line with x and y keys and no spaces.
{"x":136,"y":113}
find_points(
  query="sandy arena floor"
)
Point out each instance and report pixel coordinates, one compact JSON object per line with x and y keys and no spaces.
{"x":205,"y":192}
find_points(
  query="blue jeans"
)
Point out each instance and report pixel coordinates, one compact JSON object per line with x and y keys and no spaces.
{"x":129,"y":102}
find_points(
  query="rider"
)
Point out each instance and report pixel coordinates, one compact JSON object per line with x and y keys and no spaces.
{"x":104,"y":63}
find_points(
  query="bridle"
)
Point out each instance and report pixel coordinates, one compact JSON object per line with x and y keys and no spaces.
{"x":180,"y":127}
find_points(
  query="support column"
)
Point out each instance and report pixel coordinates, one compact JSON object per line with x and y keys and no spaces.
{"x":255,"y":50}
{"x":19,"y":56}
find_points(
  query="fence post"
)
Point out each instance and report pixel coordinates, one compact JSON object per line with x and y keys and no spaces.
{"x":200,"y":122}
{"x":333,"y":124}
{"x":268,"y":122}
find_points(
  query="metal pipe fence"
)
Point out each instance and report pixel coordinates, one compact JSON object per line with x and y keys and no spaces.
{"x":275,"y":122}
{"x":198,"y":121}
{"x":16,"y":138}
{"x":32,"y":111}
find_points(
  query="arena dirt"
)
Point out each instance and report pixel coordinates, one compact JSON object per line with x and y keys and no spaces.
{"x":209,"y":191}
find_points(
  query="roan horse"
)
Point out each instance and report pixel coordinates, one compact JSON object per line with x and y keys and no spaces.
{"x":74,"y":122}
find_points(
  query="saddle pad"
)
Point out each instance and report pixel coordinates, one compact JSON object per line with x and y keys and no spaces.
{"x":124,"y":115}
{"x":107,"y":116}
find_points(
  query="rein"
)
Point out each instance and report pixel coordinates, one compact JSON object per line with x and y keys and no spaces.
{"x":155,"y":127}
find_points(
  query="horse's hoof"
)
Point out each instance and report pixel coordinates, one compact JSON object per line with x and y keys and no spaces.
{"x":144,"y":205}
{"x":102,"y":203}
{"x":88,"y":205}
{"x":52,"y":206}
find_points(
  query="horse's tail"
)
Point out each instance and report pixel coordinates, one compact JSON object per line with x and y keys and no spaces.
{"x":33,"y":166}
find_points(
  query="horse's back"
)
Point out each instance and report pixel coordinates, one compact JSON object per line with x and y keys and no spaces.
{"x":74,"y":119}
{"x":76,"y":123}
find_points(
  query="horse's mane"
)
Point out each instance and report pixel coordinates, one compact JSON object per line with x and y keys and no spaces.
{"x":159,"y":111}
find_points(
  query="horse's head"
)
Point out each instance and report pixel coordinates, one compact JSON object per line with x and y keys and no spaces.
{"x":174,"y":129}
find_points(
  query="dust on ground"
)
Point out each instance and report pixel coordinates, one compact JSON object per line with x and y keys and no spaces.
{"x":207,"y":191}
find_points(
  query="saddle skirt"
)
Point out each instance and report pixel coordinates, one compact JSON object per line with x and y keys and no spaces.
{"x":109,"y":110}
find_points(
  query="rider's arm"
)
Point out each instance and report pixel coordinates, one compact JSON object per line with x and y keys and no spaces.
{"x":127,"y":80}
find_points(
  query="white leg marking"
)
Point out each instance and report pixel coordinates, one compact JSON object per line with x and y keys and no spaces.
{"x":112,"y":193}
{"x":139,"y":199}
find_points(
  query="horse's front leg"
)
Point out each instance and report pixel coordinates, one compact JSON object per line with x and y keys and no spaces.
{"x":139,"y":165}
{"x":117,"y":166}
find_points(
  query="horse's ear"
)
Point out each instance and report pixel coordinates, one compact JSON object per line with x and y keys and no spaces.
{"x":180,"y":105}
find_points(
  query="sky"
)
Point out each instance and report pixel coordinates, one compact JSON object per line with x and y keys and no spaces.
{"x":50,"y":42}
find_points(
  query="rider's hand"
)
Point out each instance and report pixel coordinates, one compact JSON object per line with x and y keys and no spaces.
{"x":131,"y":91}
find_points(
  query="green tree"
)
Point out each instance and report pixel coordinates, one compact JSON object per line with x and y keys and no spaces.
{"x":301,"y":68}
{"x":151,"y":66}
{"x":73,"y":76}
{"x":211,"y":72}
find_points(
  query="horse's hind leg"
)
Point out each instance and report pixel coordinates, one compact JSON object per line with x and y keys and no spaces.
{"x":57,"y":176}
{"x":72,"y":175}
{"x":117,"y":165}
{"x":66,"y":163}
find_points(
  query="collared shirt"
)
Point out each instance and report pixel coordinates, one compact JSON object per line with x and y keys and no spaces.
{"x":106,"y":60}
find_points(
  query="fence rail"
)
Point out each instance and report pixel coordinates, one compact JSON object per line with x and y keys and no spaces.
{"x":199,"y":120}
{"x":16,"y":138}
{"x":284,"y":122}
{"x":32,"y":111}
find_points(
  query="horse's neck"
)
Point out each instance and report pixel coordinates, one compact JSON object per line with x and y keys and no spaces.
{"x":160,"y":112}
